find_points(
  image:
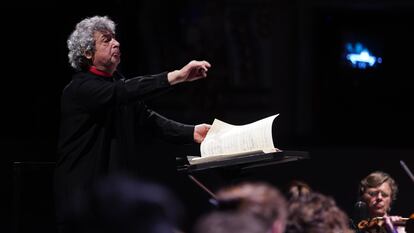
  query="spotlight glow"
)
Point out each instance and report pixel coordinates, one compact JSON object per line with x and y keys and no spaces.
{"x":360,"y":57}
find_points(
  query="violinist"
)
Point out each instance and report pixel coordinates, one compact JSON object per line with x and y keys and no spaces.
{"x":377,"y":192}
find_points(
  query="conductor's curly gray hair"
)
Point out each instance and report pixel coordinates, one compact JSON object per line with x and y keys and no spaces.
{"x":81,"y":40}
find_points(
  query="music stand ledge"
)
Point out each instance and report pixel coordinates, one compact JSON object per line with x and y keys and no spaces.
{"x":238,"y":163}
{"x":244,"y":162}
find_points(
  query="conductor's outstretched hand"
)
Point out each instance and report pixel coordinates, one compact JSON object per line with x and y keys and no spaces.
{"x":194,"y":70}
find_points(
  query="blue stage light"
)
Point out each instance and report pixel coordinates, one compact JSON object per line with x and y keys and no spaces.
{"x":360,"y":57}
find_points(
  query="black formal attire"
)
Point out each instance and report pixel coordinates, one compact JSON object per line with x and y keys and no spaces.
{"x":103,"y":118}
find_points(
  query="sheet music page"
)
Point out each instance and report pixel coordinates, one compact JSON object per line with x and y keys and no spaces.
{"x":227,"y":139}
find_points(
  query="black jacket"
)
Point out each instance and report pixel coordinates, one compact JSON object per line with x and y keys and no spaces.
{"x":102,"y":119}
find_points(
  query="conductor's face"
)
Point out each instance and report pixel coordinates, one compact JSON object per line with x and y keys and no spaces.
{"x":107,"y":54}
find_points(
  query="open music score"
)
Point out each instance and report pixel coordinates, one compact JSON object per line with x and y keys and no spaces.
{"x":237,"y":148}
{"x":246,"y":146}
{"x":226,"y":140}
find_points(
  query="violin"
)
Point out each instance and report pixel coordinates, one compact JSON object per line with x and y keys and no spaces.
{"x":375,"y":224}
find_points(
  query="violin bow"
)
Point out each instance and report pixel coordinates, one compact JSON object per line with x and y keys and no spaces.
{"x":407,"y":170}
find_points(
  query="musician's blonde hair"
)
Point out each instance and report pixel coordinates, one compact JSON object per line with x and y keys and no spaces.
{"x":376,"y":179}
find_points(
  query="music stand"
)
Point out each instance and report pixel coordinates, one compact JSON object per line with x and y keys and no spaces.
{"x":240,"y":163}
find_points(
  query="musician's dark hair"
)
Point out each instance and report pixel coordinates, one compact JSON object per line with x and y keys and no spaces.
{"x":258,"y":198}
{"x":230,"y":222}
{"x":298,"y":188}
{"x":316,"y":213}
{"x":122,"y":203}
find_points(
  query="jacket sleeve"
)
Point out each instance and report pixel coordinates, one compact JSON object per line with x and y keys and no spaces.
{"x":168,"y":129}
{"x":96,"y":93}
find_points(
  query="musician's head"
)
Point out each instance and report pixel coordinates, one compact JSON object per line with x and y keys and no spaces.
{"x":124,"y":204}
{"x":260,"y":199}
{"x":230,"y":222}
{"x":378,"y":190}
{"x":316,"y":213}
{"x":298,"y":188}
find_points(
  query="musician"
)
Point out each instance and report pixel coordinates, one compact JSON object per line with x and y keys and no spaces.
{"x":257,"y":200}
{"x":297,"y":189}
{"x":314,"y":212}
{"x":377,"y":192}
{"x":230,"y":222}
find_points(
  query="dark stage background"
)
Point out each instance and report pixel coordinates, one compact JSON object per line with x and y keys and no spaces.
{"x":267,"y":57}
